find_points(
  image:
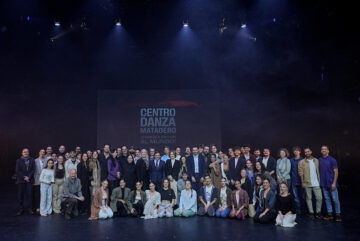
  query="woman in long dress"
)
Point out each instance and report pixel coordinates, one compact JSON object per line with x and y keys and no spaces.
{"x":152,"y":203}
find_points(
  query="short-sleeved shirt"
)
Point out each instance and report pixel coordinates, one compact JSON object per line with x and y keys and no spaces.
{"x":327,"y":166}
{"x":168,"y":195}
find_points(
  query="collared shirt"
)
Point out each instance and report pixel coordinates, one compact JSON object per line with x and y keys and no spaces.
{"x":196,"y":163}
{"x":173,"y":162}
{"x":247,"y":157}
{"x":265,"y":161}
{"x":165,"y":158}
{"x":313,"y":176}
{"x":327,"y":166}
{"x":236,"y":161}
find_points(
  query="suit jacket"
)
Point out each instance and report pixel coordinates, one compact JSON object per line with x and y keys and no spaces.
{"x":22,"y":170}
{"x":173,"y":171}
{"x":234,"y":172}
{"x":116,"y":195}
{"x":191,"y":166}
{"x":214,"y":195}
{"x":271,"y":166}
{"x":157,"y":174}
{"x":141,"y":171}
{"x":97,"y":203}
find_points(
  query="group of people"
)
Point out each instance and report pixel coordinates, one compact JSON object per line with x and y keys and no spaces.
{"x":201,"y":181}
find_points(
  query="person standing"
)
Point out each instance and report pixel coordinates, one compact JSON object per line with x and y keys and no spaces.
{"x":295,"y":181}
{"x":248,"y":155}
{"x":329,"y":173}
{"x":95,"y":174}
{"x":25,"y":169}
{"x":172,"y":169}
{"x":166,"y":156}
{"x":48,"y":153}
{"x":58,"y":186}
{"x":269,"y":162}
{"x":83,"y":174}
{"x":142,"y":169}
{"x":46,"y":180}
{"x":236,"y":163}
{"x":113,"y":170}
{"x":283,"y":167}
{"x":257,"y":154}
{"x":129,"y":172}
{"x":71,"y":163}
{"x":310,"y":180}
{"x":104,"y":158}
{"x":215,"y":171}
{"x":196,"y":168}
{"x":61,"y":151}
{"x":157,"y":170}
{"x":39,"y":165}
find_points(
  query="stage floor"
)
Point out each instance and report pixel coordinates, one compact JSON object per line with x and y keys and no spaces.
{"x":56,"y":228}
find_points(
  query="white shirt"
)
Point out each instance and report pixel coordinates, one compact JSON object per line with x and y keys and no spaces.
{"x":313,"y":176}
{"x":70,"y":165}
{"x":265,"y":161}
{"x":208,"y":194}
{"x":196,"y":163}
{"x":236,"y":161}
{"x":172,"y":162}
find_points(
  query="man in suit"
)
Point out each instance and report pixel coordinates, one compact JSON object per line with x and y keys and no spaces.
{"x":196,"y":168}
{"x":236,"y":163}
{"x":157,"y":170}
{"x":25,"y":169}
{"x":172,"y":169}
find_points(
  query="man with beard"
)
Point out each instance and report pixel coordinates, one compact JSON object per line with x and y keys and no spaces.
{"x":103,"y":158}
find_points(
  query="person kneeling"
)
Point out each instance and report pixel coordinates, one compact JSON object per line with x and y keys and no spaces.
{"x":224,"y":200}
{"x":100,"y":206}
{"x":208,"y":197}
{"x":240,"y":202}
{"x":120,"y":200}
{"x":72,"y":194}
{"x":167,"y":200}
{"x":188,"y":202}
{"x":266,"y":212}
{"x":286,"y":207}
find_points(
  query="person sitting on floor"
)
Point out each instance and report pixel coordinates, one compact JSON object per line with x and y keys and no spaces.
{"x":120,"y":200}
{"x":188,"y":202}
{"x":266,"y":212}
{"x":224,"y":200}
{"x":240,"y":202}
{"x":152,"y":203}
{"x":168,"y":199}
{"x":100,"y":206}
{"x":208,"y":197}
{"x":286,"y":207}
{"x":137,"y":199}
{"x":72,"y":194}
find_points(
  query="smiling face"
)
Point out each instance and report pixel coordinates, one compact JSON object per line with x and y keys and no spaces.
{"x":152,"y":187}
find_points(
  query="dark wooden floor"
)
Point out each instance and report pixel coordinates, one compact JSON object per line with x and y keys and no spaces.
{"x":55,"y":227}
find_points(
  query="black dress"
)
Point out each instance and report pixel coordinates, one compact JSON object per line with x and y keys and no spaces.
{"x":142,"y":173}
{"x":84,"y":175}
{"x":129,"y":174}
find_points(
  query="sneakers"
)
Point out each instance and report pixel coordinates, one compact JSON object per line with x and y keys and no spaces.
{"x":338,"y":218}
{"x":329,"y":217}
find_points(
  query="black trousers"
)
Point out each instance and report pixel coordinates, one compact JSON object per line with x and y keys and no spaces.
{"x":36,"y":197}
{"x":139,"y":209}
{"x":267,"y":218}
{"x":112,"y":186}
{"x":25,"y":195}
{"x":69,"y":206}
{"x":121,"y":210}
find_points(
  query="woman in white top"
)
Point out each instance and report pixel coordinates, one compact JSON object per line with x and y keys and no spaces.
{"x":46,"y":180}
{"x":152,"y":203}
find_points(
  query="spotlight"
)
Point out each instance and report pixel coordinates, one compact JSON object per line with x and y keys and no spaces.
{"x":57,"y":23}
{"x":274,"y":20}
{"x":117,"y":22}
{"x":28,"y":18}
{"x":243,"y":25}
{"x":186,"y":24}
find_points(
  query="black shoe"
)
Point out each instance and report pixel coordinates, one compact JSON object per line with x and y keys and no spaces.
{"x":311,"y":216}
{"x":329,"y":217}
{"x":319,"y":216}
{"x":338,"y":218}
{"x":67,"y":216}
{"x":20,"y":212}
{"x":30,"y":212}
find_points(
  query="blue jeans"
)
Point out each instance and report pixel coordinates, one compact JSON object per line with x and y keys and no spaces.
{"x":223,"y":214}
{"x":299,"y":197}
{"x":335,"y":199}
{"x":197,"y":185}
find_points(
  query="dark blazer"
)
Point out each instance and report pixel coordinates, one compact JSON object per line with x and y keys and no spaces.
{"x":271,"y":166}
{"x":214,"y":195}
{"x":157,"y":174}
{"x":173,"y":171}
{"x":103,"y":166}
{"x":129,"y":174}
{"x":191,"y":166}
{"x":228,"y":197}
{"x":142,"y":173}
{"x":132,"y":196}
{"x":269,"y":201}
{"x":22,"y":171}
{"x":234,"y":172}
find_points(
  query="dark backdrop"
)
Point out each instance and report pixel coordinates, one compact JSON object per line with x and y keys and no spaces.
{"x":297,"y":84}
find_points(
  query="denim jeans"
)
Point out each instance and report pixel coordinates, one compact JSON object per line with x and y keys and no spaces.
{"x":299,"y":197}
{"x":335,"y":198}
